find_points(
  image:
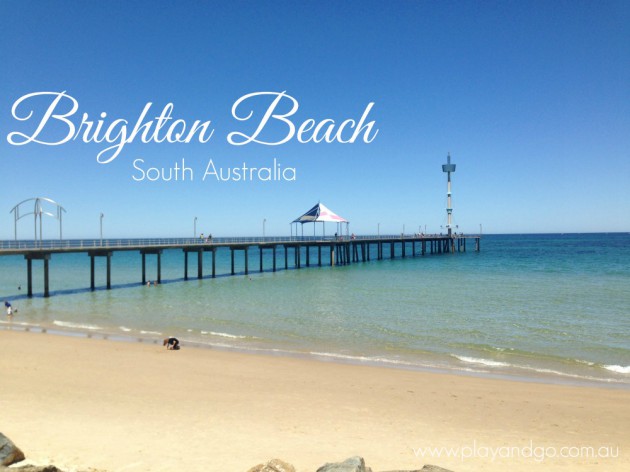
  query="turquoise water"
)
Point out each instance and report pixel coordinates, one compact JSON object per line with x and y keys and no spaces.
{"x":555,"y":307}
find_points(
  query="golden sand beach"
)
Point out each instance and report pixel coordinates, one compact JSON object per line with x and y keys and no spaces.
{"x":79,"y":403}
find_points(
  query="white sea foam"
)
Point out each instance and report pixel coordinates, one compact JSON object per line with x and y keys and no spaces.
{"x":539,"y":370}
{"x":383,"y":360}
{"x":18,"y":323}
{"x":151,"y":332}
{"x":486,"y":362}
{"x":557,"y":373}
{"x":69,"y":324}
{"x":123,"y":328}
{"x":224,"y":335}
{"x":618,"y":368}
{"x":547,"y":371}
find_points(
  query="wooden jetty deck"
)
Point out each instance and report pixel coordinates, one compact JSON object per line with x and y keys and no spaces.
{"x":336,"y":251}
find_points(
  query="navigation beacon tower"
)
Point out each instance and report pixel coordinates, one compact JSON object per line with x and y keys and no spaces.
{"x":448,"y":168}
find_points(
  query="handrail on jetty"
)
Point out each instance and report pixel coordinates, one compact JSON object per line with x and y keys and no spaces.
{"x":133,"y":243}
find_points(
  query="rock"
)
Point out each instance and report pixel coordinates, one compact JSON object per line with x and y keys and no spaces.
{"x":354,"y":464}
{"x":9,"y":452}
{"x":42,"y":468}
{"x":36,"y":468}
{"x":274,"y":465}
{"x":415,"y":470}
{"x":426,"y":468}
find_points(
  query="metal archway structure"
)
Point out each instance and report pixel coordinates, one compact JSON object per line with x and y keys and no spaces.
{"x":38,"y":210}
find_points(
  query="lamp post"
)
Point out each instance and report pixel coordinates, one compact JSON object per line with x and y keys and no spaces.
{"x":195,"y":227}
{"x":264,"y":221}
{"x":378,"y":230}
{"x":102,"y":215}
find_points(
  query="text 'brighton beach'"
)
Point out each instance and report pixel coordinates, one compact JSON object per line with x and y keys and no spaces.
{"x":264,"y":118}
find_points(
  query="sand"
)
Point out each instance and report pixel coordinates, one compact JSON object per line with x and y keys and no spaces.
{"x":79,"y":402}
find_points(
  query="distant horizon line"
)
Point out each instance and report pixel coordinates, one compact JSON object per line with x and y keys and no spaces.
{"x":319,"y":235}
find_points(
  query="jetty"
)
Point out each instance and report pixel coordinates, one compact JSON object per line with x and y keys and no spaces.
{"x":299,"y":251}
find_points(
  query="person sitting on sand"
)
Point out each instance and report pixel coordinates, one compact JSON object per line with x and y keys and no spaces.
{"x":171,"y":343}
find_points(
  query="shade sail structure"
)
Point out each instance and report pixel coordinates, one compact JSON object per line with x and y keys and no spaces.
{"x":320,"y":213}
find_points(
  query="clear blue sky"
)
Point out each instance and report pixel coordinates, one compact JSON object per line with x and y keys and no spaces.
{"x":531,"y":98}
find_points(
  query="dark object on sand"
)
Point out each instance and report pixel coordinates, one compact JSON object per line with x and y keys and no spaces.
{"x":171,"y":343}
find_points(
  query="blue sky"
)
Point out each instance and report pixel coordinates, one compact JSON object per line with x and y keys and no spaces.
{"x":532,"y":100}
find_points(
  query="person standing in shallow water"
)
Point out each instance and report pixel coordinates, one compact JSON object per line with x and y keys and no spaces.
{"x":9,"y":308}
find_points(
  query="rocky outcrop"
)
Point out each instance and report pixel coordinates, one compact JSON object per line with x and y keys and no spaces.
{"x":426,"y":468}
{"x":9,"y":452}
{"x":41,"y":468}
{"x":35,"y":468}
{"x":354,"y":464}
{"x":274,"y":465}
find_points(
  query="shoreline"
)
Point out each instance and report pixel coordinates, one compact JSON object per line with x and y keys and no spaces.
{"x":82,"y":402}
{"x":514,"y":314}
{"x":535,"y":376}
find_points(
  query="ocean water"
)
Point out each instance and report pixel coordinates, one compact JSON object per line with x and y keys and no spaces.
{"x":547,"y":307}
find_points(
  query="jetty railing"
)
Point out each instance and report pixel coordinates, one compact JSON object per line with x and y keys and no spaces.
{"x":119,"y":243}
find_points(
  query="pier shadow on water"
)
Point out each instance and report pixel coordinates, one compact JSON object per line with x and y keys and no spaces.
{"x":75,"y":291}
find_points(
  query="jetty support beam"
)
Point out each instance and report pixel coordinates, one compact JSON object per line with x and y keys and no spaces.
{"x":158,"y":253}
{"x":274,"y":257}
{"x":214,"y":263}
{"x":199,"y":252}
{"x":107,"y":254}
{"x":44,"y":256}
{"x":245,"y":252}
{"x":261,"y":249}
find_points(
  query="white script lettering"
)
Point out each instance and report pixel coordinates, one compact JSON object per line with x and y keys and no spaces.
{"x":115,"y":133}
{"x":309,"y":130}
